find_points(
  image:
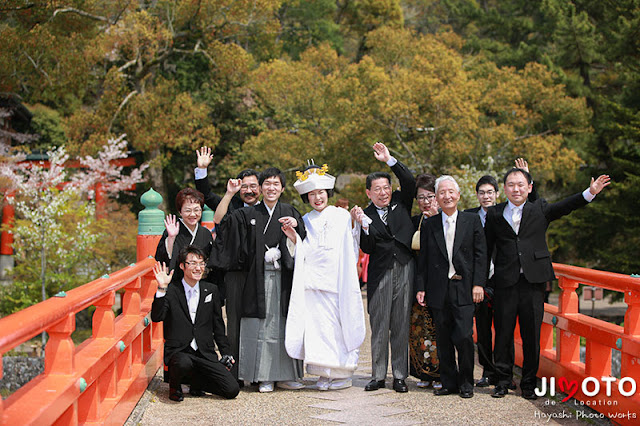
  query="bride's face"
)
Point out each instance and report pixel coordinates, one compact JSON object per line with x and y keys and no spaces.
{"x":318,"y":198}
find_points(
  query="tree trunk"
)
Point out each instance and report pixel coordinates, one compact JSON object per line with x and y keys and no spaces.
{"x":156,"y":177}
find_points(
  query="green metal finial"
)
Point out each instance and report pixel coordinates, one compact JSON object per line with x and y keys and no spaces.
{"x":82,"y":384}
{"x":207,"y":214}
{"x":146,"y":321}
{"x":121,"y":346}
{"x":619,"y":343}
{"x":151,"y":219}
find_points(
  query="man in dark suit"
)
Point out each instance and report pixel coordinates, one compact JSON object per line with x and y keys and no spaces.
{"x":452,"y":264}
{"x":487,"y":192}
{"x":386,"y":237}
{"x":247,"y":195}
{"x":516,"y":230}
{"x":192,"y":320}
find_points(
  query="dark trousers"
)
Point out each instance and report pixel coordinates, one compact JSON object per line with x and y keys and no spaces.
{"x":454,"y":332}
{"x":484,"y":320}
{"x":524,"y":302}
{"x":234,"y":282}
{"x":206,"y":375}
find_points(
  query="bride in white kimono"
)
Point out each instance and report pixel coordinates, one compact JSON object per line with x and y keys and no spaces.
{"x":325,"y":322}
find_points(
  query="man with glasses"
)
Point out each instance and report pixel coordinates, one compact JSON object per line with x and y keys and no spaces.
{"x":190,"y":311}
{"x":386,"y":236}
{"x":248,"y":195}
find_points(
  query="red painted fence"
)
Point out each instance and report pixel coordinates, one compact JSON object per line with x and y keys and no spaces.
{"x":563,"y":363}
{"x":102,"y":379}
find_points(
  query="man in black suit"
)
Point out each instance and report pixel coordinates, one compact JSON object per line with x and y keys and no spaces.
{"x":386,"y":237}
{"x":192,"y":320}
{"x":247,"y":195}
{"x":452,"y":264}
{"x":487,"y":192}
{"x":516,"y":230}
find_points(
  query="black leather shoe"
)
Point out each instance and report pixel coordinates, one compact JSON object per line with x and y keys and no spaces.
{"x":529,"y":394}
{"x":400,"y":386}
{"x":443,"y":391}
{"x":500,"y":392}
{"x":512,"y":385}
{"x":241,"y":383}
{"x":175,"y":394}
{"x":195,"y":392}
{"x":374,"y":385}
{"x":483,"y":382}
{"x":466,"y":394}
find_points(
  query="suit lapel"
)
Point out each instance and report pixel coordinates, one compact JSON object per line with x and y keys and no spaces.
{"x":182,"y":299}
{"x":458,"y":237}
{"x":372,"y":213}
{"x":204,"y":292}
{"x":439,"y":236}
{"x":501,"y":220}
{"x":526,"y":213}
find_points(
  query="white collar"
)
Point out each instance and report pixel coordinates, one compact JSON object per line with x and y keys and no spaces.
{"x":187,"y":287}
{"x":445,"y":217}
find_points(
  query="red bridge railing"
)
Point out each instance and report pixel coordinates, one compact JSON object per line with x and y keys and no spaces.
{"x":563,"y":362}
{"x":101,"y":380}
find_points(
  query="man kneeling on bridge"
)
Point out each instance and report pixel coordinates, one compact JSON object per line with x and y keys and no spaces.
{"x":192,"y":316}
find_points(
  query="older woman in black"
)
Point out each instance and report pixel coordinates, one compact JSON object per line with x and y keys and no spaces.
{"x":423,"y":354}
{"x":185,"y":231}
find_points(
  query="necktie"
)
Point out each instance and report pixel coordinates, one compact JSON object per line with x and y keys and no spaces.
{"x":451,"y":233}
{"x":385,"y":213}
{"x":516,"y":217}
{"x":192,"y":303}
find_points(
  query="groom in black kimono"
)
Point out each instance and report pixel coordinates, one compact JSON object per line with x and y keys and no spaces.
{"x":251,"y":238}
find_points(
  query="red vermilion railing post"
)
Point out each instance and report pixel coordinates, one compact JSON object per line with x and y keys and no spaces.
{"x":630,"y":363}
{"x":103,"y":317}
{"x":60,"y":350}
{"x":568,"y":344}
{"x":131,"y":301}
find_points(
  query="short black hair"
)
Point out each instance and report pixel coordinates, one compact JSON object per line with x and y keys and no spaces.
{"x":487,"y":179}
{"x":425,"y":181}
{"x":377,"y":175}
{"x":182,"y":256}
{"x":526,"y":174}
{"x":247,"y":172}
{"x":305,"y":197}
{"x":271,"y":172}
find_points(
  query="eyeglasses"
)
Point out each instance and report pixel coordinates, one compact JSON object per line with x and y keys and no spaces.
{"x":272,"y":184}
{"x":252,"y":186}
{"x":379,"y":189}
{"x":189,"y":211}
{"x":489,"y":192}
{"x":196,"y":264}
{"x":425,"y":197}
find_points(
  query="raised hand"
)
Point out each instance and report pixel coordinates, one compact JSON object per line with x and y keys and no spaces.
{"x":172,"y":225}
{"x":381,"y":152}
{"x":204,"y":157}
{"x":234,"y":185}
{"x":598,"y":185}
{"x":521,"y":163}
{"x":163,"y":276}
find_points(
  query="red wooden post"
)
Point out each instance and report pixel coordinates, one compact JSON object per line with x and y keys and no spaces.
{"x":103,"y":317}
{"x":60,"y":351}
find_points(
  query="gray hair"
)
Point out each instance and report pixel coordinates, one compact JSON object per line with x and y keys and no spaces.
{"x":447,"y":177}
